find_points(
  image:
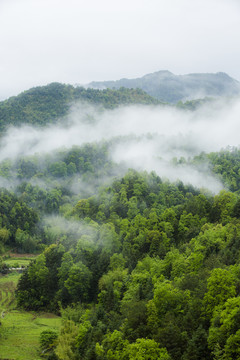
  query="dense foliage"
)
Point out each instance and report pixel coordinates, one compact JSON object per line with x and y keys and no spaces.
{"x":225,"y":164}
{"x":45,"y":104}
{"x":138,"y":267}
{"x":150,"y":269}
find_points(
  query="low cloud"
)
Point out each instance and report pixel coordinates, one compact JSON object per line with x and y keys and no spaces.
{"x":141,"y":137}
{"x":69,"y":232}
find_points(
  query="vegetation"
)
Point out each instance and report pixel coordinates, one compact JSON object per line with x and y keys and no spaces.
{"x":46,"y":104}
{"x":137,"y":267}
{"x":20,"y":331}
{"x":147,"y":271}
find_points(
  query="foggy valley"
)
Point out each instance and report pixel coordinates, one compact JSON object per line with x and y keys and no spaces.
{"x":139,"y":137}
{"x":119,"y":180}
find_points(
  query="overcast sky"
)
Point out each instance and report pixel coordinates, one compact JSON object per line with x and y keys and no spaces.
{"x":78,"y":41}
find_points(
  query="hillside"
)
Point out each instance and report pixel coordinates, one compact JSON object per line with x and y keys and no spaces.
{"x":48,"y":104}
{"x":45,"y":104}
{"x":168,"y":87}
{"x":133,"y":227}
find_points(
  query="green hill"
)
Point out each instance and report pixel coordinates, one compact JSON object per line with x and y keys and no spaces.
{"x":45,"y":104}
{"x":137,"y":267}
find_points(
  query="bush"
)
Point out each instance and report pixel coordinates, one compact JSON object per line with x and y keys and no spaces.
{"x":48,"y":341}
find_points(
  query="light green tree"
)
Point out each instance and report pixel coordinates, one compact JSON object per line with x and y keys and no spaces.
{"x":78,"y":282}
{"x":221,"y":286}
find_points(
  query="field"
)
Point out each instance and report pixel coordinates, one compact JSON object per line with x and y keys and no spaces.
{"x":20,"y":330}
{"x":17,"y":262}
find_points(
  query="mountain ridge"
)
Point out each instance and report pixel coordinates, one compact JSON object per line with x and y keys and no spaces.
{"x":43,"y":105}
{"x":168,"y":87}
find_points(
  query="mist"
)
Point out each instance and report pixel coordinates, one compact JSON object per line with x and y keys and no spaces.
{"x":141,"y":137}
{"x":60,"y":226}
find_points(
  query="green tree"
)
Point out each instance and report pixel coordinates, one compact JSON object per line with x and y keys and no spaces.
{"x":221,"y":285}
{"x":224,"y":333}
{"x":4,"y":235}
{"x":144,"y":349}
{"x":78,"y":282}
{"x":66,"y":348}
{"x":48,"y":342}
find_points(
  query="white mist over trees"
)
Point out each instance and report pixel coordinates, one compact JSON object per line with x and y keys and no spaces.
{"x":145,"y":138}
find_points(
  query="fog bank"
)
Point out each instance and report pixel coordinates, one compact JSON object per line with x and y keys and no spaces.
{"x":142,"y":137}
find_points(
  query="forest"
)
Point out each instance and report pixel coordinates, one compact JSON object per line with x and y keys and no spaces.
{"x":136,"y":265}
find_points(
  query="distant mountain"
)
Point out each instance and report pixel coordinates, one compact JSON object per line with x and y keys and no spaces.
{"x":168,"y":87}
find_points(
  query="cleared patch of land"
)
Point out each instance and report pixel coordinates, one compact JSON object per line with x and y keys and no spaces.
{"x":17,"y":261}
{"x":20,"y":259}
{"x":20,"y":330}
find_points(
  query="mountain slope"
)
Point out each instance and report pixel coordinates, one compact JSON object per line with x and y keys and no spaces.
{"x":168,"y":87}
{"x":45,"y":104}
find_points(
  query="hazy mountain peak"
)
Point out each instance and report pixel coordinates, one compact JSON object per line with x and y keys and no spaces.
{"x":172,"y":88}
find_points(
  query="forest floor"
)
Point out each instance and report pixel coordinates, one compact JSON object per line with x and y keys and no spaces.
{"x":20,"y":330}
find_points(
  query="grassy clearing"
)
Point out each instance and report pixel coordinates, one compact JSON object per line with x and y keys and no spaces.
{"x":11,"y":277}
{"x":8,"y":284}
{"x":17,"y":261}
{"x":20,"y":330}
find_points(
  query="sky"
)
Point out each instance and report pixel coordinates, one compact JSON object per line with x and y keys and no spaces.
{"x":78,"y":41}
